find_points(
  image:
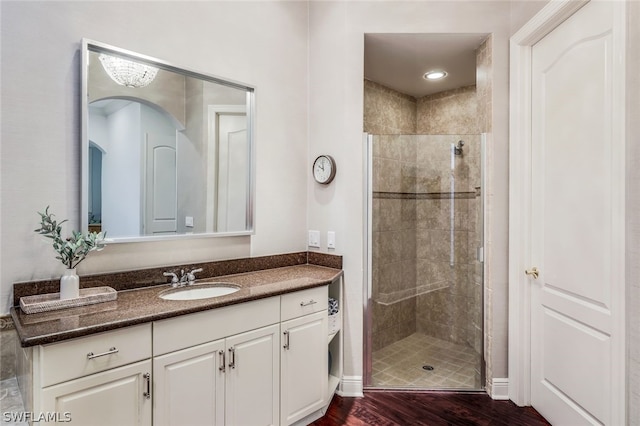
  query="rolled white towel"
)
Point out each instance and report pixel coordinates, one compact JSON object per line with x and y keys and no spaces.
{"x":333,"y":306}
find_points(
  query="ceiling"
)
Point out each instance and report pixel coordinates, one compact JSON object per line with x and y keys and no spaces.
{"x":399,"y":61}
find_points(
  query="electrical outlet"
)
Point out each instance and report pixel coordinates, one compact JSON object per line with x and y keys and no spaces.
{"x":188,"y":221}
{"x":314,"y":239}
{"x":331,"y":239}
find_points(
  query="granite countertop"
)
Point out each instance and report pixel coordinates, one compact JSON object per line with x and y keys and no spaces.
{"x":144,"y":305}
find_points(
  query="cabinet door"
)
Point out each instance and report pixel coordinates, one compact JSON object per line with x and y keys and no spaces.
{"x":304,"y":366}
{"x":189,"y":386}
{"x":113,"y":397}
{"x":253,"y":378}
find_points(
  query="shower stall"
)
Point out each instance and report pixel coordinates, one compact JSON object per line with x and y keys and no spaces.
{"x":424,"y":292}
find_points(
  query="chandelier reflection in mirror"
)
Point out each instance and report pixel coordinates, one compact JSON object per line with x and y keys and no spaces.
{"x":128,"y":73}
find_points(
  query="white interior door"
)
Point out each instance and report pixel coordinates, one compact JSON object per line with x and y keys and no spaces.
{"x":233,"y":164}
{"x":160,"y":185}
{"x":577,"y":220}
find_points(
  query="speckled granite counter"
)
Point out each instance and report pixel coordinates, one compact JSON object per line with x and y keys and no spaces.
{"x":143,"y":305}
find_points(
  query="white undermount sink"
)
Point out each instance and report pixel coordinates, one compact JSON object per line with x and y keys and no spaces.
{"x":199,"y":291}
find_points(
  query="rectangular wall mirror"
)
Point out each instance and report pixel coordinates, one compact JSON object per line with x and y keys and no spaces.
{"x":166,"y":152}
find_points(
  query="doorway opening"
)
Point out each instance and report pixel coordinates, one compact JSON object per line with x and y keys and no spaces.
{"x":424,"y":298}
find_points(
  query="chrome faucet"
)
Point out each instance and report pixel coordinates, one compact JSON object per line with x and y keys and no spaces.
{"x":185,"y":278}
{"x":191,"y":277}
{"x":174,"y":278}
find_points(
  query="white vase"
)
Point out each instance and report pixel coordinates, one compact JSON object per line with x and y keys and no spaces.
{"x":69,"y":285}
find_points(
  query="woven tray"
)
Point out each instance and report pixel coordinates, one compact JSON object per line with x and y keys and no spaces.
{"x":51,"y":301}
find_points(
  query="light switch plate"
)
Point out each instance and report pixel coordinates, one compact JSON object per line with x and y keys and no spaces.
{"x":331,"y":239}
{"x":314,"y":239}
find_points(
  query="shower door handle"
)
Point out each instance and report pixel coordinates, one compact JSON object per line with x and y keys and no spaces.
{"x":534,"y":272}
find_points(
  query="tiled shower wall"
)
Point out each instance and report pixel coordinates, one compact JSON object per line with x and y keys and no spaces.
{"x":451,"y":112}
{"x":388,"y":112}
{"x":394,"y":239}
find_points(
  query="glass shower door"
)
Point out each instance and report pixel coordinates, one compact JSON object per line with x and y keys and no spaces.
{"x":424,"y":310}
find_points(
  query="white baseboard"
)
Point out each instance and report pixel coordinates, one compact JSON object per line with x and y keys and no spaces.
{"x":499,"y":389}
{"x":351,"y":386}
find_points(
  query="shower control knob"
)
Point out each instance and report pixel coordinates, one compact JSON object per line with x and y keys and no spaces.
{"x":534,"y":272}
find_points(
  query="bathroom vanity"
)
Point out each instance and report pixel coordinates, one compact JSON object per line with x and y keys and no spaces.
{"x":258,"y":356}
{"x":261,"y":355}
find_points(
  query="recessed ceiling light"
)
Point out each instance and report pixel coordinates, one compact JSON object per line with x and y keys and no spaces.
{"x":435,"y":75}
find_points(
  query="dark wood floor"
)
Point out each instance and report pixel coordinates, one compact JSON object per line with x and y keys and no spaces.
{"x":426,"y":408}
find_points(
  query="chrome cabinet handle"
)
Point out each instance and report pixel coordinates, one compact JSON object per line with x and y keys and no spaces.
{"x":111,"y":351}
{"x":223,"y":361}
{"x":310,"y":302}
{"x":286,"y":340}
{"x":147,"y":378}
{"x":232,"y":355}
{"x":534,"y":272}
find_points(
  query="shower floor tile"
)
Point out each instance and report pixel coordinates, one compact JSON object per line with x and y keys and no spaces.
{"x":400,"y":364}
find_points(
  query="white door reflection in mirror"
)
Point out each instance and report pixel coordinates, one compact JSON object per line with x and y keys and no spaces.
{"x":160,"y":185}
{"x":229,"y":151}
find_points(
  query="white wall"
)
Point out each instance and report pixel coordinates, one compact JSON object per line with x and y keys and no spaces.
{"x":121,"y":171}
{"x":263,"y":44}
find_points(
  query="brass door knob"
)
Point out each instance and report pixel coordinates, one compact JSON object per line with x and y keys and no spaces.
{"x":534,"y":272}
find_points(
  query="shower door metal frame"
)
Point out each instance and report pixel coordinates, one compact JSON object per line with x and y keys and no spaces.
{"x":368,"y":262}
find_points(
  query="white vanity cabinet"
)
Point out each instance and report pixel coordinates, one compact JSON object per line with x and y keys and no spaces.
{"x":261,"y":362}
{"x":232,"y":379}
{"x":304,"y":359}
{"x":189,"y":386}
{"x":114,"y":397}
{"x":214,"y":383}
{"x":253,"y":385}
{"x":103,"y":379}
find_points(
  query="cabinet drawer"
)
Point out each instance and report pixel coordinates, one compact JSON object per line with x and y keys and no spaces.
{"x":304,"y":302}
{"x":194,"y":329}
{"x":87,"y":355}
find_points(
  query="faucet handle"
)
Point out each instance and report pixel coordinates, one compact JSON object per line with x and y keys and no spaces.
{"x":174,"y":277}
{"x":191,"y":275}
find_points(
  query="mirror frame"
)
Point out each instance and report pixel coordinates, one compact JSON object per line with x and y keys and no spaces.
{"x":94,"y":46}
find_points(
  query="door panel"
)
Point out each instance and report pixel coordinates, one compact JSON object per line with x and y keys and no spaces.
{"x":160,"y":185}
{"x":233,"y":165}
{"x":577,"y":167}
{"x":568,"y":381}
{"x":253,"y":378}
{"x":189,"y":386}
{"x":304,"y":375}
{"x":574,"y":219}
{"x":113,"y":397}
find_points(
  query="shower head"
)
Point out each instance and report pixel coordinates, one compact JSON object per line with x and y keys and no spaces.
{"x":457,"y":150}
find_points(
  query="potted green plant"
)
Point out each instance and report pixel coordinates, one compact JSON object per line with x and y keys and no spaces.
{"x":71,"y":251}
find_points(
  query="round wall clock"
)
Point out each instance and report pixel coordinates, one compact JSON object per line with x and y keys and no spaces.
{"x":324,"y":169}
